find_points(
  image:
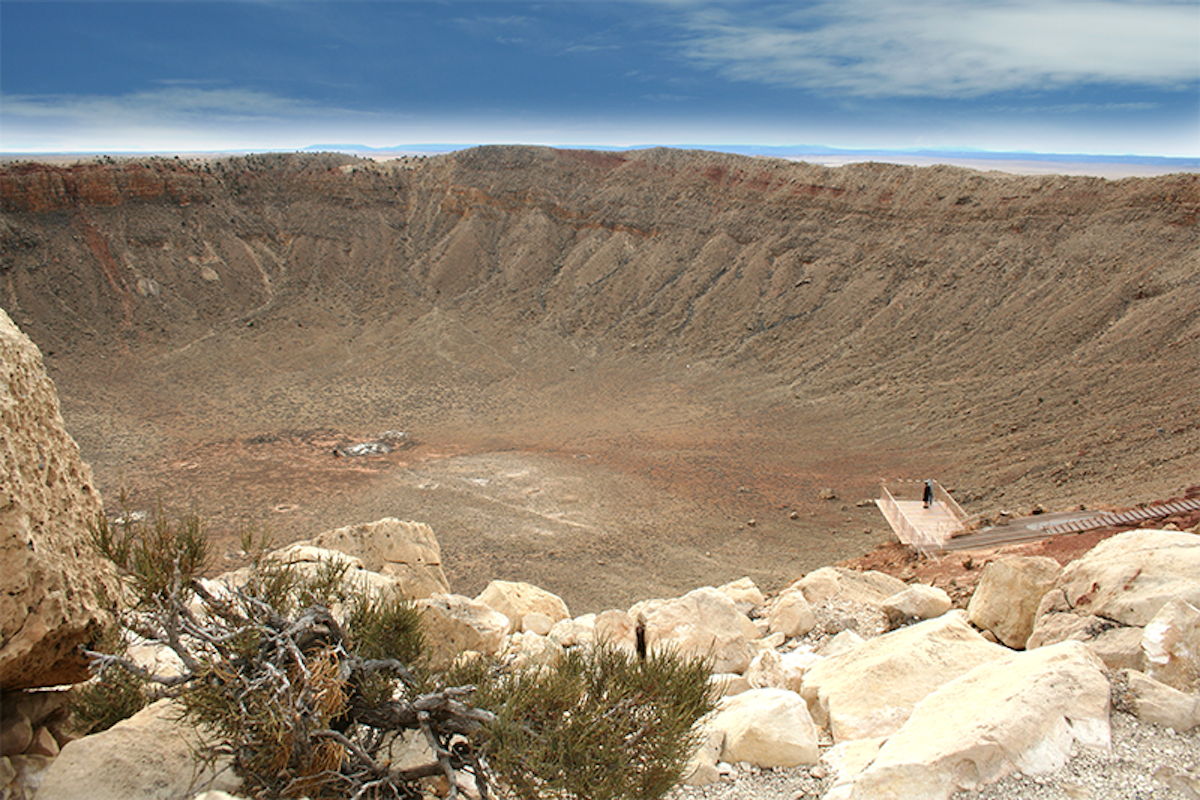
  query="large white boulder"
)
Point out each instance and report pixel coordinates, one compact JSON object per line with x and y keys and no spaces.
{"x":1171,"y":645}
{"x":515,"y":600}
{"x":1009,"y":592}
{"x":767,"y":728}
{"x":1129,"y":577}
{"x":407,"y":552}
{"x":150,"y":756}
{"x":704,"y":622}
{"x":454,"y":625}
{"x":791,"y":615}
{"x":871,"y":689}
{"x":848,"y":585}
{"x":56,"y":591}
{"x":745,"y":594}
{"x":1156,"y":702}
{"x":1023,"y":712}
{"x":915,"y":603}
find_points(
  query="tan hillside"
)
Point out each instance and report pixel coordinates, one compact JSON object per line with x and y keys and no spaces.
{"x":608,"y":365}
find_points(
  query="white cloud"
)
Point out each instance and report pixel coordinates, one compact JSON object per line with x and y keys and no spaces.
{"x":949,"y":48}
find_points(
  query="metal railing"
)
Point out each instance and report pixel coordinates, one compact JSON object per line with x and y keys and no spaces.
{"x":929,"y":536}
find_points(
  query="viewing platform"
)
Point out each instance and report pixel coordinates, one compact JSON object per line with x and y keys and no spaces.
{"x":927,"y":528}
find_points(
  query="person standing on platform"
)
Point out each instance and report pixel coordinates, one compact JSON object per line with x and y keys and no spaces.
{"x":928,"y":497}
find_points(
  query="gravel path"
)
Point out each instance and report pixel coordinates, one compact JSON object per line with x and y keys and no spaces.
{"x":1146,"y":762}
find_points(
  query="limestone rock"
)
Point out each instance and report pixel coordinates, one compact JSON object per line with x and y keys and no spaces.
{"x":56,"y":592}
{"x":701,"y":769}
{"x":150,"y":756}
{"x":791,"y":615}
{"x":1022,"y":712}
{"x":767,"y":728}
{"x":1008,"y":595}
{"x":841,"y":642}
{"x":1158,"y":703}
{"x":514,"y":600}
{"x":745,"y":595}
{"x":704,"y":622}
{"x":455,"y":624}
{"x":1055,"y":626}
{"x":844,"y":584}
{"x":616,"y":628}
{"x":871,"y":689}
{"x":1119,"y":648}
{"x":1171,"y":644}
{"x":917,"y":602}
{"x":572,"y":632}
{"x":773,"y":669}
{"x":531,"y":650}
{"x":536,"y":622}
{"x":407,"y":552}
{"x":1130,"y":576}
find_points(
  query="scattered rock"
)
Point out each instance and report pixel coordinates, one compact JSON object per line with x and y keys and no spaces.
{"x":915,"y":603}
{"x":514,"y":600}
{"x":1008,"y":595}
{"x":766,"y":728}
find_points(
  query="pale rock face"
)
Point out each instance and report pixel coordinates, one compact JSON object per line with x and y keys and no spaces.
{"x":1119,"y":648}
{"x":1023,"y":712}
{"x":1171,"y":645}
{"x":56,"y":592}
{"x":616,"y":628}
{"x":917,"y":602}
{"x":1158,"y":703}
{"x":767,"y":728}
{"x":704,"y":622}
{"x":830,"y":583}
{"x":572,"y":632}
{"x":538,"y":623}
{"x":1009,"y":593}
{"x":455,"y":624}
{"x":146,"y":757}
{"x":791,"y":615}
{"x":744,"y":594}
{"x":771,"y":668}
{"x":514,"y":600}
{"x":407,"y":552}
{"x":841,"y":643}
{"x":871,"y":689}
{"x":309,"y":560}
{"x":701,"y":769}
{"x":524,"y":650}
{"x":1130,"y":576}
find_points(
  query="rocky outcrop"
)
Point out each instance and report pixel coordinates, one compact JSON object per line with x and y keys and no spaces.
{"x":840,"y":583}
{"x":407,"y":552}
{"x":1009,"y":592}
{"x":766,"y":727}
{"x":517,"y":600}
{"x":704,"y":622}
{"x":1171,"y":646}
{"x":871,"y":689}
{"x":1023,"y":712}
{"x":150,"y":756}
{"x":455,"y":625}
{"x":56,"y":592}
{"x":915,"y":603}
{"x":1123,"y":582}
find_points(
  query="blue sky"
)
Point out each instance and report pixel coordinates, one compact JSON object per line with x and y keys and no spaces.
{"x":1050,"y":76}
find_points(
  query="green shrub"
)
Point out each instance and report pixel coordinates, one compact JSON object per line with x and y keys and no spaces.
{"x":600,"y":725}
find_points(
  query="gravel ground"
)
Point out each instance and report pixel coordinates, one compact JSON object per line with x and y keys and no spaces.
{"x":1146,"y":762}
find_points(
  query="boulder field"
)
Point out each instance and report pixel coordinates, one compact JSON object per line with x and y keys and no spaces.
{"x":877,"y":682}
